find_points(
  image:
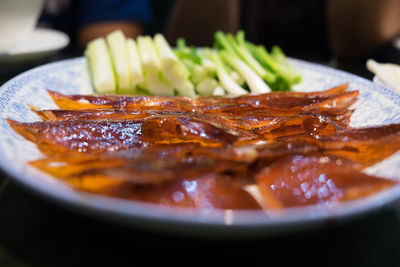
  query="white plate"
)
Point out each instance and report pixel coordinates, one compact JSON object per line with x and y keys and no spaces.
{"x":40,"y":44}
{"x":377,"y":105}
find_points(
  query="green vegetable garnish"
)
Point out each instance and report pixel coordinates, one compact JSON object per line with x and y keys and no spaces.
{"x":149,"y":65}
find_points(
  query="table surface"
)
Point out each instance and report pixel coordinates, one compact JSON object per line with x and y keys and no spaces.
{"x":34,"y":232}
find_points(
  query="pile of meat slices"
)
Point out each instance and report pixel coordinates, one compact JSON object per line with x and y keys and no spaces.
{"x":268,"y":151}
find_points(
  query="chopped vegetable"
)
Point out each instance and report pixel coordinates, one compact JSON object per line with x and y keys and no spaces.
{"x":119,"y":54}
{"x":278,"y":54}
{"x":149,"y":65}
{"x":227,"y":82}
{"x":219,"y":91}
{"x":134,"y":63}
{"x":148,"y":55}
{"x":172,"y":69}
{"x":246,"y":56}
{"x":100,"y":67}
{"x":199,"y":73}
{"x":156,"y":85}
{"x":283,"y":70}
{"x":207,"y":86}
{"x":256,"y":84}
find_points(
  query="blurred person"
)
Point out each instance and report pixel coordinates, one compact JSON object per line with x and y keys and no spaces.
{"x":346,"y":29}
{"x":311,"y":29}
{"x":197,"y":21}
{"x":85,"y":20}
{"x":357,"y":28}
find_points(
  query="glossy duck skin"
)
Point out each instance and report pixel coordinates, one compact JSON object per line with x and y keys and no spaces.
{"x":366,"y":146}
{"x":322,"y":112}
{"x":323,"y":120}
{"x":299,"y":180}
{"x":202,"y":183}
{"x":161,"y":103}
{"x":113,"y":175}
{"x":271,"y":102}
{"x":204,"y":193}
{"x":201,"y":153}
{"x":273,"y":96}
{"x":294,"y":180}
{"x":103,"y":136}
{"x":143,"y":169}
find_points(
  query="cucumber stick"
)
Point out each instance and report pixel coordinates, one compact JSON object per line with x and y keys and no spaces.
{"x":134,"y":62}
{"x":100,"y":66}
{"x":118,"y":48}
{"x":156,"y":85}
{"x":148,"y":55}
{"x":172,"y":69}
{"x":154,"y":81}
{"x":207,"y":86}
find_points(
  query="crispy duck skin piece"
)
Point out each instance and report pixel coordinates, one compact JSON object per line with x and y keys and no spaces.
{"x":246,"y":110}
{"x":265,"y":124}
{"x":312,"y":122}
{"x":280,"y":102}
{"x":364,"y":146}
{"x":283,"y":105}
{"x":208,"y":192}
{"x":113,"y":101}
{"x":120,"y":101}
{"x":202,"y":184}
{"x":106,"y":135}
{"x":319,"y":122}
{"x":337,"y":117}
{"x":144,"y":170}
{"x":186,"y":152}
{"x":299,"y":180}
{"x":95,"y":114}
{"x":336,"y":114}
{"x":240,"y":122}
{"x":277,"y":102}
{"x":253,"y":98}
{"x":102,"y":135}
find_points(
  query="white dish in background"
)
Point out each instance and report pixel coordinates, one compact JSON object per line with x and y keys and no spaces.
{"x":396,"y":43}
{"x":39,"y":44}
{"x":17,"y":19}
{"x":377,"y":105}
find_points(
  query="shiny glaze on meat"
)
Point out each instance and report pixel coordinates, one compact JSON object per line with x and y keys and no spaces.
{"x":322,"y":121}
{"x":298,"y":148}
{"x":108,"y":135}
{"x":275,"y":102}
{"x":202,"y":183}
{"x":299,"y":180}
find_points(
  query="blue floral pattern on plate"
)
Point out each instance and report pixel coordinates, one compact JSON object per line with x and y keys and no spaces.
{"x":377,"y":105}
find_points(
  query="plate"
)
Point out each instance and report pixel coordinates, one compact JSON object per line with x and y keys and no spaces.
{"x":378,"y":81}
{"x":377,"y":105}
{"x":41,"y":43}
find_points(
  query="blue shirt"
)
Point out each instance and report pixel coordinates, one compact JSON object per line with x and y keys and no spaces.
{"x":69,"y":15}
{"x":91,"y":11}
